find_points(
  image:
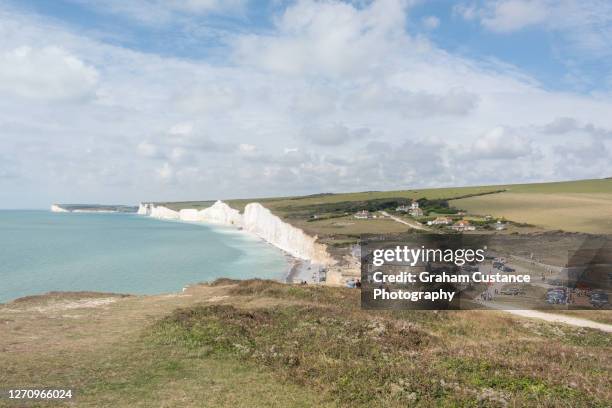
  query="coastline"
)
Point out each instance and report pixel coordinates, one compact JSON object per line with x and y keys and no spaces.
{"x":308,"y":259}
{"x":301,"y":271}
{"x":297,"y":269}
{"x":298,"y":248}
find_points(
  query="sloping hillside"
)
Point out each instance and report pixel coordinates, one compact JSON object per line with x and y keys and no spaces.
{"x":265,"y":344}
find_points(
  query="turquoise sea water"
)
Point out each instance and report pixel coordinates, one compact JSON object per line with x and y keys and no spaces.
{"x":42,"y":251}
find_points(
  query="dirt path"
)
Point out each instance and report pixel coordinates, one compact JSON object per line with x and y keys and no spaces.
{"x":549,"y":317}
{"x":415,"y":225}
{"x":554,"y":318}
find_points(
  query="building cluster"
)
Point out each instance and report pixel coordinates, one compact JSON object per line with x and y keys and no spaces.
{"x":413,"y":209}
{"x":364,"y":215}
{"x":463,"y":225}
{"x":441,"y":221}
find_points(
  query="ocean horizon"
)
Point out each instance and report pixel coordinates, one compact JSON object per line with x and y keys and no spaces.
{"x":44,"y":251}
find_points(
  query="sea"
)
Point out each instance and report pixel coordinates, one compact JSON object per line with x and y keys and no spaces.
{"x":42,"y":251}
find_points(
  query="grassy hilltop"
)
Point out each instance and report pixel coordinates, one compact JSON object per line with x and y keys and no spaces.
{"x":576,"y":206}
{"x":265,"y":344}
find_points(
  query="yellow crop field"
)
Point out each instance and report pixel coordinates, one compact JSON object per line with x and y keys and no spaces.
{"x":582,"y":212}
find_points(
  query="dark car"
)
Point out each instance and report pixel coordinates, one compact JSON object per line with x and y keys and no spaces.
{"x":508,"y":269}
{"x":556,"y":296}
{"x":599,"y":298}
{"x":512,"y":291}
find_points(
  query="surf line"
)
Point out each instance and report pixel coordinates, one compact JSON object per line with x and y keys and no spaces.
{"x":400,"y":294}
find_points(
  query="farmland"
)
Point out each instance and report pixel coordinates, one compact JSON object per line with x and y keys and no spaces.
{"x":583,"y":206}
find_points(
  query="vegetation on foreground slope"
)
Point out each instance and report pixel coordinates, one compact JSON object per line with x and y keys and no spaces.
{"x":261,"y":343}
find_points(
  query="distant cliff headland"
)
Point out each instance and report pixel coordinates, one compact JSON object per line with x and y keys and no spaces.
{"x":93,"y":208}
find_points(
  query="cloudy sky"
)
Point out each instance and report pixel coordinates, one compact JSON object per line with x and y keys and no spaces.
{"x":117,"y":101}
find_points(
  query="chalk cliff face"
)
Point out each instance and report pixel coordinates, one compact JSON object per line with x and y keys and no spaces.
{"x":257,"y":220}
{"x":144,"y":209}
{"x":260,"y":221}
{"x":57,"y":208}
{"x":164,"y":213}
{"x":221,"y":213}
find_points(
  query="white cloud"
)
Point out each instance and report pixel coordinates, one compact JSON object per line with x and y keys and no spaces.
{"x":512,"y":15}
{"x":246,"y":148}
{"x":333,"y":135}
{"x":181,"y":129}
{"x":582,"y":25}
{"x":163,"y":11}
{"x":166,"y":173}
{"x":46,"y":74}
{"x":147,"y":149}
{"x":334,"y":97}
{"x":430,"y":22}
{"x":500,"y":143}
{"x":377,"y":97}
{"x":327,"y":38}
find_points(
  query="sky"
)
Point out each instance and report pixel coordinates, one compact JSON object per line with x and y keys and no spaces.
{"x":122,"y":101}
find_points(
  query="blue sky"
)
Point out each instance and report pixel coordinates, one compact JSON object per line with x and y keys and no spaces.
{"x":121,"y":101}
{"x":537,"y":50}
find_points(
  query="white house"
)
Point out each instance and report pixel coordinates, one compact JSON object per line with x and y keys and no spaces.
{"x":440,"y":221}
{"x":415,"y":211}
{"x":362,"y":215}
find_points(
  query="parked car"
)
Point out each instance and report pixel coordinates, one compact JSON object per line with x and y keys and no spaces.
{"x":508,"y":269}
{"x":512,"y":291}
{"x":599,"y":298}
{"x":556,"y":296}
{"x":557,"y":289}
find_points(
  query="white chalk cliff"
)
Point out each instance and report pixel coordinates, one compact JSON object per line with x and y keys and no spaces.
{"x":144,"y":209}
{"x":257,"y":220}
{"x":218,"y":213}
{"x":260,"y":221}
{"x":164,"y":213}
{"x":57,"y":208}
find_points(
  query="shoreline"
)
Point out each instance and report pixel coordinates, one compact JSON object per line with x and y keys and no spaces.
{"x":294,"y":264}
{"x":300,"y":268}
{"x":301,"y":271}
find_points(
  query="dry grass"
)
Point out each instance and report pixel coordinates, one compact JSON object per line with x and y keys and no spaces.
{"x":351,"y":226}
{"x":260,"y":343}
{"x":586,"y":212}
